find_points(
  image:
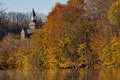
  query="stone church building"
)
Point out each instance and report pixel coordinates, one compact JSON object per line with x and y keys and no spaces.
{"x":32,"y":27}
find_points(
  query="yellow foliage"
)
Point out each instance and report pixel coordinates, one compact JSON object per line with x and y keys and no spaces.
{"x":81,"y":47}
{"x":114,"y":12}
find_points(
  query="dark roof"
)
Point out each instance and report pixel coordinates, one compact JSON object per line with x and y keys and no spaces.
{"x":31,"y":31}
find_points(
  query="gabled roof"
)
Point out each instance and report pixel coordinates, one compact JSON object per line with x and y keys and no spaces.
{"x":31,"y":31}
{"x":23,"y":31}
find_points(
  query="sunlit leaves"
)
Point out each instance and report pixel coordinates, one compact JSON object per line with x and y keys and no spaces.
{"x":110,"y":54}
{"x":115,"y":50}
{"x":114,"y":13}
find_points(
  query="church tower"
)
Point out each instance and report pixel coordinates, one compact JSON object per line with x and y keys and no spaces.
{"x":33,"y":26}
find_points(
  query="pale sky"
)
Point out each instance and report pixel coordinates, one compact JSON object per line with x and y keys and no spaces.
{"x":40,"y":6}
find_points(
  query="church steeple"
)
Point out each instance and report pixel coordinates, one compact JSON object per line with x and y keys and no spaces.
{"x":33,"y":12}
{"x":33,"y":16}
{"x":32,"y":24}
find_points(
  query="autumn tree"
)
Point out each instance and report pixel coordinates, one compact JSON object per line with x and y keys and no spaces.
{"x":113,"y":16}
{"x":8,"y":47}
{"x":65,"y":30}
{"x":37,"y":48}
{"x":76,"y":34}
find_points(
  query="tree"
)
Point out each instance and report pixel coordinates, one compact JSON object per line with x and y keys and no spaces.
{"x":97,"y":9}
{"x":66,"y":28}
{"x":114,"y":16}
{"x":2,"y":20}
{"x":114,"y":12}
{"x":115,"y":51}
{"x":8,"y":47}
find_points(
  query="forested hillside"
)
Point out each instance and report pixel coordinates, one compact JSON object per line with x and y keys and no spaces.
{"x":76,"y":34}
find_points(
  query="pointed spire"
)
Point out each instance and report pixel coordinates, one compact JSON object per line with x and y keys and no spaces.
{"x":33,"y":16}
{"x":33,"y":12}
{"x":22,"y":31}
